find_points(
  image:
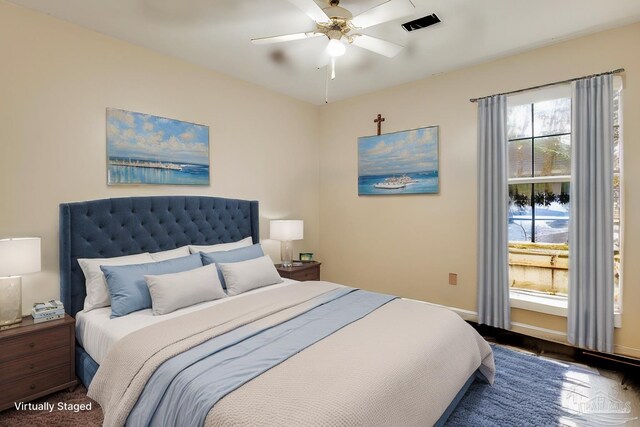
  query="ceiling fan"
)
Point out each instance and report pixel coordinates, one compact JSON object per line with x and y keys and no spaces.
{"x":339,"y":26}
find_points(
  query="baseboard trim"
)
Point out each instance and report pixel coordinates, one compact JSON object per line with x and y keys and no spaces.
{"x":538,"y":332}
{"x":621,"y":349}
{"x":472,"y":316}
{"x":533,"y":331}
{"x":630,"y":366}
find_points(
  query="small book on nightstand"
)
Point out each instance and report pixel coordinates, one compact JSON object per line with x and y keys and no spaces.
{"x":47,"y":311}
{"x":48,"y":318}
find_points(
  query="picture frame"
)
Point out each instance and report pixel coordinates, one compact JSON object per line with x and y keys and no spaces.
{"x":399,"y":163}
{"x":306,"y":256}
{"x":143,"y":149}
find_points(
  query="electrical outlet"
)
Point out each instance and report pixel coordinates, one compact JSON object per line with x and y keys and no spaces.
{"x":453,"y":279}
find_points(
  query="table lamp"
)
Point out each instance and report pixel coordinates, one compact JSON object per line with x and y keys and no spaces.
{"x":17,"y":256}
{"x":286,"y":231}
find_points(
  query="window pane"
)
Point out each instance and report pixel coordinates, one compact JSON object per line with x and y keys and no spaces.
{"x":552,"y":156}
{"x":616,"y":108}
{"x":616,"y":132}
{"x":617,"y":199}
{"x":617,"y":268}
{"x":552,"y":212}
{"x":616,"y":212}
{"x":616,"y":149}
{"x":552,"y":117}
{"x":519,"y":153}
{"x":520,"y":214}
{"x":519,"y":122}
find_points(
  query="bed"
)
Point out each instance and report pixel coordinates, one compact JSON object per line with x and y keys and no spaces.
{"x":312,"y":353}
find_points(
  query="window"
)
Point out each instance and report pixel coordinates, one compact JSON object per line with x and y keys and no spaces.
{"x":539,"y":151}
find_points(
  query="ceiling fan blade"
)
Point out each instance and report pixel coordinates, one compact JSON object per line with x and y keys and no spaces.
{"x":376,"y":45}
{"x":312,"y":10}
{"x":285,"y":38}
{"x":387,"y":11}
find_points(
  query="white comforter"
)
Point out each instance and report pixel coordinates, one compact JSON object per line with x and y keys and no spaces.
{"x":400,"y":365}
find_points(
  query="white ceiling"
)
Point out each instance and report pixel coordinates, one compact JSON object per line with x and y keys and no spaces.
{"x":217,"y":33}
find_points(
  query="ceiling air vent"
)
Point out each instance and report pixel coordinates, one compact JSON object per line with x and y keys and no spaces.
{"x":420,"y":23}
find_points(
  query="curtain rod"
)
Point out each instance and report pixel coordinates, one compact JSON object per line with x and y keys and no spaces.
{"x":618,"y":71}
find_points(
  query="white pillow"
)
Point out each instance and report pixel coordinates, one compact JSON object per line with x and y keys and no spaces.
{"x":247,"y":241}
{"x":96,"y":283}
{"x":170,"y":292}
{"x":246,"y":275}
{"x":171,"y":254}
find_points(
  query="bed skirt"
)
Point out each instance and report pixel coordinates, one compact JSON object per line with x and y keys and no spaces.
{"x":86,"y":367}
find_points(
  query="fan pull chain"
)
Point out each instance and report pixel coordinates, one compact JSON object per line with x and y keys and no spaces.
{"x":333,"y":68}
{"x":331,"y":75}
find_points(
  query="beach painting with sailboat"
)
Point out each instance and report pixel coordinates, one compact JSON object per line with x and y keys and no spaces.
{"x":403,"y":162}
{"x":146,"y":149}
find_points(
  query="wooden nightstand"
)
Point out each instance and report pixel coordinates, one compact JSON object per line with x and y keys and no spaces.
{"x":36,"y":360}
{"x":307,"y":271}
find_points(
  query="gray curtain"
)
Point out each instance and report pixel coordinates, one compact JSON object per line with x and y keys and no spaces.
{"x":493,"y":269}
{"x":590,"y":319}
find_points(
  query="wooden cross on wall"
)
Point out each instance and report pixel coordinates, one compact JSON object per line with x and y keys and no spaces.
{"x":379,"y":121}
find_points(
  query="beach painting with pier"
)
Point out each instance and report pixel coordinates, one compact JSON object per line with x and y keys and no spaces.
{"x":146,"y":149}
{"x":403,"y":162}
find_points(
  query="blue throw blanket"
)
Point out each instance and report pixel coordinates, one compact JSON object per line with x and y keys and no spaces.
{"x":183,"y":390}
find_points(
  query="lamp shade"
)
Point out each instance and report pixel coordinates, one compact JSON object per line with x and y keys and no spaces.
{"x":286,"y":229}
{"x":19,"y":256}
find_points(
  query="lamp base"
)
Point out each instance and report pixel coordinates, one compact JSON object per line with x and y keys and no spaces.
{"x":10,"y":300}
{"x":286,"y":253}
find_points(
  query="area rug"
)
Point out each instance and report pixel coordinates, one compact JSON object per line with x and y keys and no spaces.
{"x":63,"y":415}
{"x":535,"y":391}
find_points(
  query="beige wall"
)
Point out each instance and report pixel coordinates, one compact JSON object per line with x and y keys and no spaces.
{"x":407,"y":245}
{"x":300,"y":161}
{"x":56,"y":79}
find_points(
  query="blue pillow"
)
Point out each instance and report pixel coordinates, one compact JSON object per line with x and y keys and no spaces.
{"x":234,"y":255}
{"x":128,"y":288}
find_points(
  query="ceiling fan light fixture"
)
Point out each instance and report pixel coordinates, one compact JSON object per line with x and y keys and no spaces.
{"x":335,"y":48}
{"x":341,"y":27}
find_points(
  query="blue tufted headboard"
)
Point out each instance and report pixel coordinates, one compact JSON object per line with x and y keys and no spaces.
{"x":126,"y":226}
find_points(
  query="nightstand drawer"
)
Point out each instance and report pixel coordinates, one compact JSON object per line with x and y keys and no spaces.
{"x":36,"y":359}
{"x":33,"y":364}
{"x":18,"y":390}
{"x":307,"y":274}
{"x":32,"y":343}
